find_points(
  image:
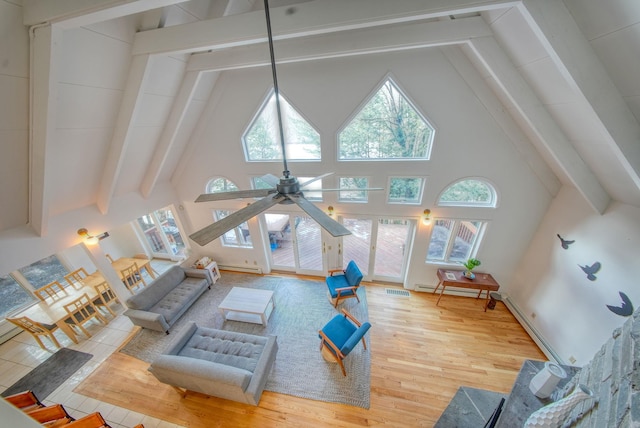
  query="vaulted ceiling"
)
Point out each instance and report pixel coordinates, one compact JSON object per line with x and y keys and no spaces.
{"x":115,"y":89}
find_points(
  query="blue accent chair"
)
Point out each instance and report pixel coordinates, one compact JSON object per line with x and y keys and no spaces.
{"x":341,"y":335}
{"x":344,"y":285}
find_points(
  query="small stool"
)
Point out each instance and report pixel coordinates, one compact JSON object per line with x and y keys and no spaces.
{"x":493,"y":298}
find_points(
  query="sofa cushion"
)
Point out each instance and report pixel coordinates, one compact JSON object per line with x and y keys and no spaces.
{"x":175,"y":301}
{"x":160,"y":287}
{"x":225,"y":347}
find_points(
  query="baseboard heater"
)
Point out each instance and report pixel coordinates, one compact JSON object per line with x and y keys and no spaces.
{"x":532,"y":331}
{"x":245,"y":269}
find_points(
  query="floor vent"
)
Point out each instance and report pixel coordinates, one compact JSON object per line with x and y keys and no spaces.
{"x":397,"y":292}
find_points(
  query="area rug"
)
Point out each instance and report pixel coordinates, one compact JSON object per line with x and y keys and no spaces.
{"x":302,"y":308}
{"x":49,"y":375}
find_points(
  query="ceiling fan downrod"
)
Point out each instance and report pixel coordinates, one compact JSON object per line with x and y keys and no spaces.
{"x":285,"y":173}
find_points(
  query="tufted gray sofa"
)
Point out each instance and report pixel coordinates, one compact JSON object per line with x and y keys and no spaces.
{"x":220,"y":363}
{"x":159,"y":305}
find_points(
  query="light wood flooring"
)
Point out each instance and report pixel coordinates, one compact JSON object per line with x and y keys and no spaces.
{"x":421,"y":353}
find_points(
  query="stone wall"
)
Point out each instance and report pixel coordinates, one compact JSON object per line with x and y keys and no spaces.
{"x":614,"y":377}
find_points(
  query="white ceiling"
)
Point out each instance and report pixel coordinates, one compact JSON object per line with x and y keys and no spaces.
{"x":118,"y":88}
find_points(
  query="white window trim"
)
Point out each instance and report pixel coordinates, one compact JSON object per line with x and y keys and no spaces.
{"x":353,"y":201}
{"x":388,"y":77}
{"x":420,"y":192}
{"x":474,"y":250}
{"x":492,"y":188}
{"x":236,"y":230}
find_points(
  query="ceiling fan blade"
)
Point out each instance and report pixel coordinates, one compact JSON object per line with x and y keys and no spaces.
{"x":219,"y":228}
{"x":270,"y":179}
{"x":329,"y":224}
{"x":348,"y":190}
{"x":235,"y":194}
{"x":316,"y":178}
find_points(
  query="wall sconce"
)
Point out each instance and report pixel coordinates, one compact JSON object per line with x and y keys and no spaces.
{"x":426,"y":217}
{"x":91,"y":240}
{"x":330,"y":211}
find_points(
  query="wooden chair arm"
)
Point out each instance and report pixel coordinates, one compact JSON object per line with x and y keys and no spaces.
{"x":49,"y":413}
{"x":92,"y":420}
{"x":26,"y":399}
{"x":332,"y":271}
{"x":330,"y":344}
{"x":351,"y":317}
{"x":341,"y":289}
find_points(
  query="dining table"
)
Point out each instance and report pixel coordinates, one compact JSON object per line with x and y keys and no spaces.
{"x":53,"y":312}
{"x":124,"y":262}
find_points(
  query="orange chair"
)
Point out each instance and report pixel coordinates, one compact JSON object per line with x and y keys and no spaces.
{"x":25,"y":401}
{"x":51,"y":416}
{"x":92,"y":420}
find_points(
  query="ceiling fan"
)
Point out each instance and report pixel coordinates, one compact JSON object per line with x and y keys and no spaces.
{"x":284,"y":190}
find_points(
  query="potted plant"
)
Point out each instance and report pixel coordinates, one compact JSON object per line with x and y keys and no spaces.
{"x":470,"y":265}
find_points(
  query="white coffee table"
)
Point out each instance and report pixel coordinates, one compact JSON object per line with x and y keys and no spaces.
{"x":248,"y":305}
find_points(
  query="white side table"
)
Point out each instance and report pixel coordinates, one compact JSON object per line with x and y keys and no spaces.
{"x":214,"y":272}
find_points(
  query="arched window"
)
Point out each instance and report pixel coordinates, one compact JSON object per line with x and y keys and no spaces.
{"x":220,"y":184}
{"x":469,"y":192}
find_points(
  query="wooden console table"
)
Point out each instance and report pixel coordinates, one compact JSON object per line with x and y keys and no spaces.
{"x":456,"y":279}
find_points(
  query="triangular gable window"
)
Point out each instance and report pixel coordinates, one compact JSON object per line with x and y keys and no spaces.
{"x":387,"y":127}
{"x":262,"y":139}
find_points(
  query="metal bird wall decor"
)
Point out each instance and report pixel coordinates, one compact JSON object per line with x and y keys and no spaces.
{"x":591,"y":270}
{"x":625,"y":309}
{"x":565,"y":243}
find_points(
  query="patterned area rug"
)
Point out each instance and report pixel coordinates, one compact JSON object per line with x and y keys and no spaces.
{"x":302,"y":308}
{"x":49,"y":375}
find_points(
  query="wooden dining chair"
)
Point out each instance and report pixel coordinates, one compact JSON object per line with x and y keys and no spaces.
{"x":142,"y":256}
{"x":54,"y":291}
{"x":81,"y":311}
{"x":92,"y":420}
{"x":75,"y":278}
{"x":105,"y":297}
{"x":25,"y":401}
{"x":36,"y":329}
{"x":132,"y":277}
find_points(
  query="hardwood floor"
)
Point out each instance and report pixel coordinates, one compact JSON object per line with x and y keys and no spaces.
{"x":421,"y":353}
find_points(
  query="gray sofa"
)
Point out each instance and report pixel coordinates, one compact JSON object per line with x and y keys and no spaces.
{"x":220,"y":363}
{"x":159,"y":305}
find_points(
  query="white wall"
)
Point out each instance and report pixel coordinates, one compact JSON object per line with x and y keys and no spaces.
{"x":468,"y":143}
{"x":570,"y":310}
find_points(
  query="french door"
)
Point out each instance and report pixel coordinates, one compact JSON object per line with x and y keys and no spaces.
{"x":380,"y":247}
{"x":162,"y":234}
{"x":295,"y":243}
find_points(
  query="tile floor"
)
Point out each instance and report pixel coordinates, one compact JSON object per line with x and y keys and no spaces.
{"x":19,"y":355}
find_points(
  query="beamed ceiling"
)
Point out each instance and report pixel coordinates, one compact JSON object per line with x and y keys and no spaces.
{"x":122,"y":121}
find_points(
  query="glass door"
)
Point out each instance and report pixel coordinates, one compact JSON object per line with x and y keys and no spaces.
{"x":393,"y":239}
{"x":280,"y":241}
{"x":357,"y":246}
{"x":295,"y":243}
{"x":162,"y":234}
{"x":379,"y":247}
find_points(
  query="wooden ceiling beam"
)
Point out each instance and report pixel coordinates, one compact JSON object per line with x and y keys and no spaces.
{"x":371,"y":40}
{"x":576,"y":60}
{"x":76,"y":13}
{"x":302,"y":20}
